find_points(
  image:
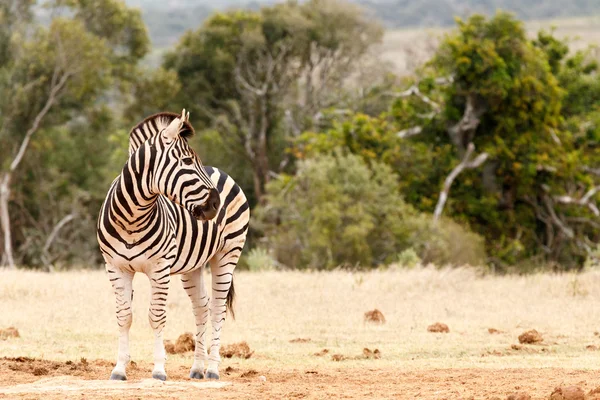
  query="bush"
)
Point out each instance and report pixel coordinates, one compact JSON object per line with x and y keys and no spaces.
{"x":336,"y":211}
{"x":259,"y":259}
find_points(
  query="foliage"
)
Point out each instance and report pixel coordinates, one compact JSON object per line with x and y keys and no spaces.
{"x":60,"y":75}
{"x":260,"y":77}
{"x":258,"y":259}
{"x":528,"y":105}
{"x":338,"y":211}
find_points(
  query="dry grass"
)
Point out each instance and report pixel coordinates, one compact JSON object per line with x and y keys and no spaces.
{"x":70,"y":315}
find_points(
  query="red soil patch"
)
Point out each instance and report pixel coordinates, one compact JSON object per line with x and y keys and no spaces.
{"x":438,"y":327}
{"x":375,"y":316}
{"x":340,"y":380}
{"x":530,"y":337}
{"x":519,"y":396}
{"x":8,"y":333}
{"x":568,"y":393}
{"x":594,"y":394}
{"x":249,"y":374}
{"x":241,"y":350}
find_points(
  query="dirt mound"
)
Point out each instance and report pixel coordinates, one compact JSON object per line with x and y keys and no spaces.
{"x":494,"y":331}
{"x":530,"y":337}
{"x":169,"y":347}
{"x":8,"y":333}
{"x":568,"y":393}
{"x":519,"y":396}
{"x":338,"y":357}
{"x":44,"y":367}
{"x":374,"y":354}
{"x":438,"y":327}
{"x":185,"y":342}
{"x":321,"y":353}
{"x":300,"y":340}
{"x":375,"y":316}
{"x":248,"y":374}
{"x":39,"y":371}
{"x":241,"y":350}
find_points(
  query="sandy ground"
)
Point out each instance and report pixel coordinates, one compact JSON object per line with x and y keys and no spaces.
{"x":57,"y":380}
{"x":67,"y":336}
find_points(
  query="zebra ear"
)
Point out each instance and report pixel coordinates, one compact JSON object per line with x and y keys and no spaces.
{"x":171,"y":132}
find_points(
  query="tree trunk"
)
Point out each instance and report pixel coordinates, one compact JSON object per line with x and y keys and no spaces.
{"x":5,"y":219}
{"x":258,"y":187}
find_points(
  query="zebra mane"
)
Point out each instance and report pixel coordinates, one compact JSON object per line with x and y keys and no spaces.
{"x":152,"y":125}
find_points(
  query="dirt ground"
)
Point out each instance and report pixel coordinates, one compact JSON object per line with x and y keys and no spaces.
{"x":309,"y":335}
{"x":25,"y":378}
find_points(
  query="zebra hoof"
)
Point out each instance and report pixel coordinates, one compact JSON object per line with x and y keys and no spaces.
{"x":161,"y":376}
{"x":115,"y":376}
{"x":212,"y":375}
{"x":196,"y":375}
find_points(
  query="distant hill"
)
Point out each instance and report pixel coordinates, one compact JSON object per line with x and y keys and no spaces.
{"x":168,"y":19}
{"x":439,"y":13}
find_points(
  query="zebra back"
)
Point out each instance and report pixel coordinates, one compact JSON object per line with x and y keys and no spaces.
{"x":151,"y":126}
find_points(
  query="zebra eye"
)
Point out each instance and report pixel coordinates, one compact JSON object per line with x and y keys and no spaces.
{"x":188,"y":161}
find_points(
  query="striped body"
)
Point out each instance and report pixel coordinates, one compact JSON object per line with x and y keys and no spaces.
{"x":174,"y":233}
{"x":165,"y":215}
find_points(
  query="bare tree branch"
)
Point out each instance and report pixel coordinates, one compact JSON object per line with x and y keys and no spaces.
{"x":466,"y":163}
{"x":586,"y":200}
{"x":414,"y":91}
{"x":415,"y":130}
{"x":468,"y":123}
{"x":45,"y":251}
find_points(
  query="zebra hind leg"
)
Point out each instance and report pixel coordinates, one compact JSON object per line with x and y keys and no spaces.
{"x":122,"y":284}
{"x":222,"y":266}
{"x":193,"y":284}
{"x":157,"y":315}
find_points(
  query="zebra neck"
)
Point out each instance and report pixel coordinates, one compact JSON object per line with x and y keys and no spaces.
{"x":135,"y":207}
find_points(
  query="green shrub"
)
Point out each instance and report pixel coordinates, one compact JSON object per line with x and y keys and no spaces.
{"x":336,"y":211}
{"x":259,"y":259}
{"x":409,"y":258}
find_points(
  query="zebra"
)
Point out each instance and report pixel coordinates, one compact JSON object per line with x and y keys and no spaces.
{"x":166,"y":214}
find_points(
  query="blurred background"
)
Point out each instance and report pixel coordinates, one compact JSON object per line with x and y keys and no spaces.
{"x":364,"y":133}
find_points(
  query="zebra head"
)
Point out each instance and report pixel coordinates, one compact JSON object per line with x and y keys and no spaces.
{"x":180,"y":175}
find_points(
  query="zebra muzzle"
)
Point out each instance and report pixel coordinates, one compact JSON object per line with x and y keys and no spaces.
{"x":210,"y":208}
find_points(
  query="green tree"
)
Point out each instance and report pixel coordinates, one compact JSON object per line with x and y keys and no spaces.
{"x":53,"y":76}
{"x":506,"y":127}
{"x":262,"y":77}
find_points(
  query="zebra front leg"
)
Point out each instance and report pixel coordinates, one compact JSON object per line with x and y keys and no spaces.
{"x":222,"y":283}
{"x":193,"y":283}
{"x":122,"y":285}
{"x":157,"y":315}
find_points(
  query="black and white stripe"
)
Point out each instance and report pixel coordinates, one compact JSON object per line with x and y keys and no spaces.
{"x":166,"y":214}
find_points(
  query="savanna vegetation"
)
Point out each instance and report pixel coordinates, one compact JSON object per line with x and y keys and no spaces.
{"x":486,"y":154}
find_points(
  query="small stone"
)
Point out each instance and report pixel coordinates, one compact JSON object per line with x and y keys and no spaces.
{"x":262,"y":378}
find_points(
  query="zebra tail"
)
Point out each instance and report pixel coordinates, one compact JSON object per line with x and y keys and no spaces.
{"x":230,"y":298}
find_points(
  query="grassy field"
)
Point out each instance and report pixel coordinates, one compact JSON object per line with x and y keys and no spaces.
{"x":66,"y":316}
